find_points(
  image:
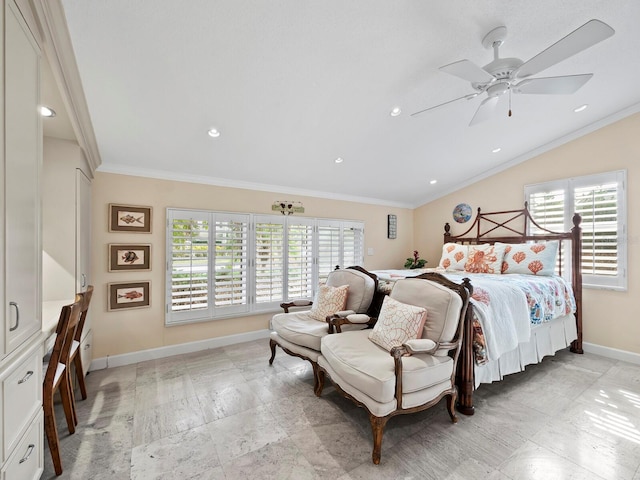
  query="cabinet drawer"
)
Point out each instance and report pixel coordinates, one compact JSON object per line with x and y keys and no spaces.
{"x":21,"y":398}
{"x":26,"y":463}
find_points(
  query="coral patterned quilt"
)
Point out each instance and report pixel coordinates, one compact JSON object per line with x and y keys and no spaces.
{"x":505,"y":307}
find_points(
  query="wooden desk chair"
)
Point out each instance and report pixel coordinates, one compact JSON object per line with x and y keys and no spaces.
{"x":76,"y":357}
{"x":56,"y":377}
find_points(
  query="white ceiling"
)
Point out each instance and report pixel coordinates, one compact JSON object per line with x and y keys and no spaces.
{"x":293,"y":84}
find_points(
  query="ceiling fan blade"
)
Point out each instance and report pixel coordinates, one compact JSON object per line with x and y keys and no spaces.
{"x":485,"y":110}
{"x":553,"y":85}
{"x":471,"y":95}
{"x":583,"y":37}
{"x":467,"y":70}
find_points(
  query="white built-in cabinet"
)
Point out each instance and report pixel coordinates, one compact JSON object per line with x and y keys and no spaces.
{"x":83,"y":257}
{"x":21,"y":422}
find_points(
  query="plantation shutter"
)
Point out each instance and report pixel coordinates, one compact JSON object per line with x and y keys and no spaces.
{"x":329,"y":255}
{"x":231,"y":236}
{"x":600,"y":201}
{"x":269,"y":260}
{"x":188,"y":266}
{"x":599,"y":206}
{"x":300,"y":259}
{"x":352,"y":244}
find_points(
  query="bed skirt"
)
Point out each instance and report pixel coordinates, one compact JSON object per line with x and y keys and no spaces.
{"x":546,"y":339}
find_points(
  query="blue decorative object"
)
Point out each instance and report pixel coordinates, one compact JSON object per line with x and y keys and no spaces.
{"x":462,"y":213}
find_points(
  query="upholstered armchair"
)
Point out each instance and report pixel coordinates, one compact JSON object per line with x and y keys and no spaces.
{"x":299,"y":332}
{"x":407,"y":362}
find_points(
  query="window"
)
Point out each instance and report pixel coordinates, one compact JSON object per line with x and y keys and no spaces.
{"x":601,"y":202}
{"x":226,"y":264}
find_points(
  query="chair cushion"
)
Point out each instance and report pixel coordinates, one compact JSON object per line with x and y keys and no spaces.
{"x":361,"y":288}
{"x":370,"y":369}
{"x":328,"y":301}
{"x":397,"y":323}
{"x":299,"y":328}
{"x":443,"y":307}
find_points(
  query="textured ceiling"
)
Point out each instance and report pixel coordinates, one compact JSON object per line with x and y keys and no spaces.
{"x":293,"y":84}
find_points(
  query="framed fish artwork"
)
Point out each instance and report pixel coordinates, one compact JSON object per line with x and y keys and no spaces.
{"x":129,"y":257}
{"x":129,"y":218}
{"x":128,"y":295}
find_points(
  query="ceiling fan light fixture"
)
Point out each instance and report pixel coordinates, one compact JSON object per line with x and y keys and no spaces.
{"x":496,"y":150}
{"x":581,"y":108}
{"x":214,"y":132}
{"x":339,"y":160}
{"x":395,"y":111}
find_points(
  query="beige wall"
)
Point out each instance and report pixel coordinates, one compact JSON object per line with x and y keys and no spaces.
{"x":610,"y":317}
{"x":140,"y":329}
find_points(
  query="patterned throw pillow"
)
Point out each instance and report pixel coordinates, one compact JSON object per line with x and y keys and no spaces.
{"x":397,"y":323}
{"x":484,"y":258}
{"x":454,"y":256}
{"x":530,"y":258}
{"x":328,"y":301}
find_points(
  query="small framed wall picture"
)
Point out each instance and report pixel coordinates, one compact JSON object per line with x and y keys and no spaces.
{"x":128,"y":295}
{"x":392,"y":226}
{"x":129,"y":257}
{"x":129,"y":218}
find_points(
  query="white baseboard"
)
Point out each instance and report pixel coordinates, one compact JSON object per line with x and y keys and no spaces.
{"x":168,"y":351}
{"x":611,"y":353}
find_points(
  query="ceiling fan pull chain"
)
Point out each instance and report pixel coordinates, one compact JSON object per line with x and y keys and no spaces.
{"x":509,"y":102}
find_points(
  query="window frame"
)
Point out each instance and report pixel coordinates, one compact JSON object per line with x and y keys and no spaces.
{"x":569,"y":187}
{"x":258,"y":225}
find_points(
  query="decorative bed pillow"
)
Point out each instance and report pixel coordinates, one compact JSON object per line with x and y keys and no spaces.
{"x":454,"y":256}
{"x":397,"y":323}
{"x":328,"y":301}
{"x":530,"y":258}
{"x":484,"y":258}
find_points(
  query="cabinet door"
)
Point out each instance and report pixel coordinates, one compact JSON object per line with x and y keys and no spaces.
{"x":23,"y":151}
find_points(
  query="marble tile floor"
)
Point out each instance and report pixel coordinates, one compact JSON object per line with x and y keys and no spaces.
{"x":226,"y":414}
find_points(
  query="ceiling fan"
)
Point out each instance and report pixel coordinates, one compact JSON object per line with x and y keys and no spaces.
{"x":511,"y":75}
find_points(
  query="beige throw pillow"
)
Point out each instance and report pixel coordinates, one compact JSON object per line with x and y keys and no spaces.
{"x":329,"y":300}
{"x":397,"y":323}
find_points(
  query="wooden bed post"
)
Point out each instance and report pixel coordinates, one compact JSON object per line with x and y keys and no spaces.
{"x":465,"y":372}
{"x":576,"y":279}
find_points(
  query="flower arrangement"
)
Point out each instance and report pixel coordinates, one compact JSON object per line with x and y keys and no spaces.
{"x":415,"y":262}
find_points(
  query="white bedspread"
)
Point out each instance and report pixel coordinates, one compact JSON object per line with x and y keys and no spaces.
{"x":503,"y":314}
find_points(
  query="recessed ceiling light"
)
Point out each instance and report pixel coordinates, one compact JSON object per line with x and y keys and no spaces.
{"x":496,"y":150}
{"x":47,"y":112}
{"x":214,"y":132}
{"x":580,"y":108}
{"x":395,"y":111}
{"x":339,"y":160}
{"x":433,"y":182}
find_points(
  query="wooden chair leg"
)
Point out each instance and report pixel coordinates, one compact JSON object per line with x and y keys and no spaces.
{"x":377,"y":428}
{"x":451,"y":406}
{"x":319,"y":380}
{"x":77,"y":361}
{"x":52,"y":433}
{"x":272,"y":344}
{"x":67,"y":403}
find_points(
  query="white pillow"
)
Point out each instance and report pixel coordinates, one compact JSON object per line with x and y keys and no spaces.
{"x":328,"y":301}
{"x":485,"y":258}
{"x":454,"y":256}
{"x":530,"y":258}
{"x":397,"y":323}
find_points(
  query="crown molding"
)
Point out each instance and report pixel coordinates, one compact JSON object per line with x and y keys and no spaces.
{"x":59,"y":52}
{"x":121,"y":169}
